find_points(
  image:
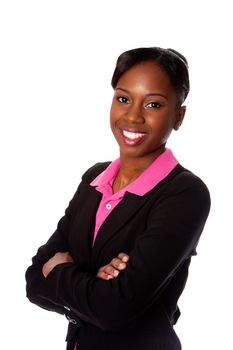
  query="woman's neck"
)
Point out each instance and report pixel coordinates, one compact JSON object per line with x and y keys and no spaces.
{"x":131,"y":168}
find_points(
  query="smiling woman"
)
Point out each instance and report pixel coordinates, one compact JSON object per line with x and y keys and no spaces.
{"x":118,"y":261}
{"x":144,"y":111}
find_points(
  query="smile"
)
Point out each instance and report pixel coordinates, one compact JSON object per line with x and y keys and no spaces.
{"x":132,"y":137}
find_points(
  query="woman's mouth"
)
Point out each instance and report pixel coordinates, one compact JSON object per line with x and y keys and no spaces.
{"x":132,"y":137}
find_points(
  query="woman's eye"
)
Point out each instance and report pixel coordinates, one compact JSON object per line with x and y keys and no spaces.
{"x":122,"y":99}
{"x":153,"y":105}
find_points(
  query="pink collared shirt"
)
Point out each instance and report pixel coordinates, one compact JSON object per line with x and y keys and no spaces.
{"x":150,"y":177}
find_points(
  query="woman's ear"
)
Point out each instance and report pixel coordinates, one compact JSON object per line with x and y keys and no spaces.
{"x":180,"y":117}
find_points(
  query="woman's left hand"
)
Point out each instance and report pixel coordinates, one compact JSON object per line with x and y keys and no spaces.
{"x":58,"y":258}
{"x":113,"y":269}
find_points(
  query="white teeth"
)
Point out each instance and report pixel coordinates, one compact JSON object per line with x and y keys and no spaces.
{"x":132,"y":135}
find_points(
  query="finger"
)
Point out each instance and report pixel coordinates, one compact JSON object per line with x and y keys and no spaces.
{"x":118,"y":264}
{"x":61,"y":257}
{"x":110,"y":270}
{"x":104,"y":276}
{"x":70,"y":258}
{"x":124,"y":257}
{"x":61,"y":253}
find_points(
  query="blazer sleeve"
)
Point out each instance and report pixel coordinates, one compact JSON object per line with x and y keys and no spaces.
{"x":57,"y":243}
{"x":173,"y":230}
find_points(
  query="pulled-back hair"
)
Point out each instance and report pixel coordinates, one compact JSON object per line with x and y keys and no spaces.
{"x":173,"y":63}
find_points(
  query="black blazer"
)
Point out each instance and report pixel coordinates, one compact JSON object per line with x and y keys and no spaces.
{"x":136,"y":310}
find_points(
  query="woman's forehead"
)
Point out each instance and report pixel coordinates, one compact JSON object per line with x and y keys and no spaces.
{"x":148,"y":75}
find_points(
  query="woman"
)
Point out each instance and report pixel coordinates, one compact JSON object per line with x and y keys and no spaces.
{"x":118,"y":261}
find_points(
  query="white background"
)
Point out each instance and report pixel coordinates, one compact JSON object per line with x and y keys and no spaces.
{"x":56,"y":62}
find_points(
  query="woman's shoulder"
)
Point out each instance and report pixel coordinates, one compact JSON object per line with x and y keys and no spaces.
{"x":186,"y":178}
{"x":185,"y":181}
{"x":91,"y":173}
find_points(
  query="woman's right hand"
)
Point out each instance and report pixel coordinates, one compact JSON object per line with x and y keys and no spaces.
{"x":58,"y":258}
{"x":113,"y":269}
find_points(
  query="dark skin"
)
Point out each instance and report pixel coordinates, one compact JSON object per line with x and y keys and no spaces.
{"x":145,"y":109}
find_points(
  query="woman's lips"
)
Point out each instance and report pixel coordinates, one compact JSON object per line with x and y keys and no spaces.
{"x":132,"y":137}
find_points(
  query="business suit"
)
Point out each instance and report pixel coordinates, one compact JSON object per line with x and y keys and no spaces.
{"x":159,"y":231}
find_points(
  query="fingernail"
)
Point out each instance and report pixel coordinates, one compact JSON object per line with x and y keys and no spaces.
{"x":116,"y":273}
{"x":110,"y":277}
{"x":121,"y":265}
{"x":125,"y":259}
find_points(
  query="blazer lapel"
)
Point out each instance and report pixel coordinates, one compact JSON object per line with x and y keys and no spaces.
{"x":83,"y":229}
{"x":118,"y":218}
{"x":84,"y":226}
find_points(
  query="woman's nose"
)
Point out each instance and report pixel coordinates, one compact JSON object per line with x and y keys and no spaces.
{"x":135,"y":115}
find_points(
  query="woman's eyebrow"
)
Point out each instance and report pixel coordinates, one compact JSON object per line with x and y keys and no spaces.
{"x":150,"y":94}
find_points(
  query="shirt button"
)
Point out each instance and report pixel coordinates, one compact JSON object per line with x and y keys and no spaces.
{"x":108,"y":206}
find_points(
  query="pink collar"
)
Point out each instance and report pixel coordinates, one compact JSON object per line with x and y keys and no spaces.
{"x":150,"y":177}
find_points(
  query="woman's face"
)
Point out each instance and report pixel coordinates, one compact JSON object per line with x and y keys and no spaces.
{"x":144,"y":110}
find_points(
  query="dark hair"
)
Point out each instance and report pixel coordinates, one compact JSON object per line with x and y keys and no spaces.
{"x":173,"y":63}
